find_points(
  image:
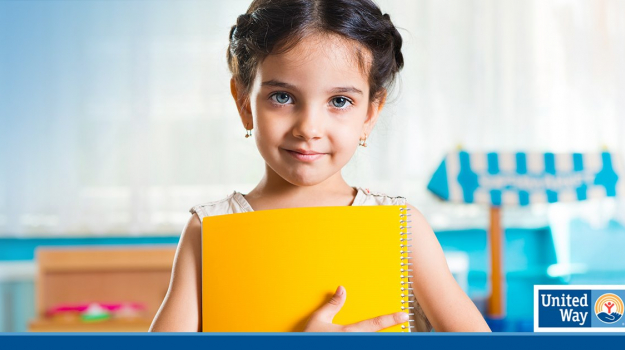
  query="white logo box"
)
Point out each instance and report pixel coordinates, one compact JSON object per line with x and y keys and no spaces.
{"x":591,"y":287}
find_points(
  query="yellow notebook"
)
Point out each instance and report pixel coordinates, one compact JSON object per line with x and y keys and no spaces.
{"x":269,"y":270}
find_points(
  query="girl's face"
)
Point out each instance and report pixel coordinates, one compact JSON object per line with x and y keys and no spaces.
{"x":309,"y":107}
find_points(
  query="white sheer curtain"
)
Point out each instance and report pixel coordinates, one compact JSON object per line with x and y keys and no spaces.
{"x":116,"y":116}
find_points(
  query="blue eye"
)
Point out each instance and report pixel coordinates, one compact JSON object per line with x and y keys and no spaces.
{"x":339,"y":102}
{"x":281,"y":97}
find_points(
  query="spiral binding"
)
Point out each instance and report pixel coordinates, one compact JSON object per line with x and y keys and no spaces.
{"x":405,"y":270}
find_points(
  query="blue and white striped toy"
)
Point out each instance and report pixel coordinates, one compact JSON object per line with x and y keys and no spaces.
{"x":525,"y":178}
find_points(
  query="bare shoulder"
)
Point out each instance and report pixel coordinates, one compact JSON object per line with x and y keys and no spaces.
{"x":181,"y":309}
{"x":192,"y":232}
{"x":446,"y":305}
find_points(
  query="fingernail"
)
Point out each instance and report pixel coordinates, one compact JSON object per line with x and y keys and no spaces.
{"x":404,"y":316}
{"x":339,"y":291}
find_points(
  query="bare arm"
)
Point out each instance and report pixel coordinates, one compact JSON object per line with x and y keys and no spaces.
{"x":181,"y":309}
{"x":445,"y":304}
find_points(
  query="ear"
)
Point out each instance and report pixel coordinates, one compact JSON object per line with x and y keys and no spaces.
{"x":375,"y":107}
{"x":243,"y":104}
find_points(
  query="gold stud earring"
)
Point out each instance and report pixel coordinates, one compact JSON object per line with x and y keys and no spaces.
{"x":248,"y":132}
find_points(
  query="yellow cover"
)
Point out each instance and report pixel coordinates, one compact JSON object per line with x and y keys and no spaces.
{"x":267,"y":271}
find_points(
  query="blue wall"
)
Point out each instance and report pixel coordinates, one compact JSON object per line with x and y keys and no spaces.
{"x":597,"y":251}
{"x":17,"y":297}
{"x":24,"y":248}
{"x":527,"y":254}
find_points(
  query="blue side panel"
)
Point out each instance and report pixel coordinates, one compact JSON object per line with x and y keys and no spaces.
{"x":524,"y":198}
{"x":578,"y":162}
{"x":607,"y":177}
{"x":467,"y":178}
{"x":578,"y":166}
{"x":493,"y":163}
{"x":521,"y":169}
{"x":493,"y":169}
{"x":439,"y":184}
{"x":521,"y":163}
{"x":582,"y":192}
{"x":552,"y":196}
{"x":550,"y":163}
{"x":550,"y":168}
{"x":495,"y":197}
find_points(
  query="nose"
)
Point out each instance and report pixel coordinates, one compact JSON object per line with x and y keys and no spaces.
{"x":309,"y":124}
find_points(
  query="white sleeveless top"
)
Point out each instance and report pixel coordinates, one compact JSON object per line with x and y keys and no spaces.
{"x":236,"y":203}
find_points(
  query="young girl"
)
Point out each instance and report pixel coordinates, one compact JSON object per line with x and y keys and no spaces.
{"x":309,"y":78}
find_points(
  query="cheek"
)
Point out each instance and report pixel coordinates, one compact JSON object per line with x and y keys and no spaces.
{"x":270,"y":130}
{"x":346,"y":137}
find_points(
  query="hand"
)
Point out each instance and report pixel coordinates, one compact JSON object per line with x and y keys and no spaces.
{"x":321,"y":320}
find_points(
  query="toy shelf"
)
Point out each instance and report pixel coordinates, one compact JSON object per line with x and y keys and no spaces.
{"x":76,"y":275}
{"x":44,"y":325}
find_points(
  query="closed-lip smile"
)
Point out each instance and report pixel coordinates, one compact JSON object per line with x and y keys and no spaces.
{"x":305,"y":155}
{"x":303,"y":151}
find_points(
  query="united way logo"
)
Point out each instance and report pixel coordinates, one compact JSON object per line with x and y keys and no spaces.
{"x":579,"y":308}
{"x":609,"y":308}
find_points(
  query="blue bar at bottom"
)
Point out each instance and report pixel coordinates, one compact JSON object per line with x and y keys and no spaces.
{"x":302,"y":341}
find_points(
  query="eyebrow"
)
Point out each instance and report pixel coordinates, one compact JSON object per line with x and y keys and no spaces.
{"x":281,"y":84}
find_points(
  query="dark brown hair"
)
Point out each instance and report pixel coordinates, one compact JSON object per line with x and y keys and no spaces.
{"x":275,"y":26}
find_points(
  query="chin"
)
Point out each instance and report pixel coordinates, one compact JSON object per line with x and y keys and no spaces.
{"x":304,"y":180}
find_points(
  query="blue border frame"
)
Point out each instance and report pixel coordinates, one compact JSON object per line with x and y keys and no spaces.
{"x":304,"y":341}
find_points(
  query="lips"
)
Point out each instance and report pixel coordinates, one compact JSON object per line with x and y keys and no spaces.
{"x":305,"y":155}
{"x":303,"y":151}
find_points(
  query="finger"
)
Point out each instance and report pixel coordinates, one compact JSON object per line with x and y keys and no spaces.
{"x":378,"y":323}
{"x":327,"y":312}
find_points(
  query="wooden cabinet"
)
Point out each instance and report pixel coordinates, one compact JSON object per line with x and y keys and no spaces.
{"x":107,"y":274}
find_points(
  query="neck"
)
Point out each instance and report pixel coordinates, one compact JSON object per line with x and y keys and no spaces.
{"x":274,"y":191}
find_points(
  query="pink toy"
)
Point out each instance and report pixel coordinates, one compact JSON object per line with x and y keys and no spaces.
{"x":119,"y":310}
